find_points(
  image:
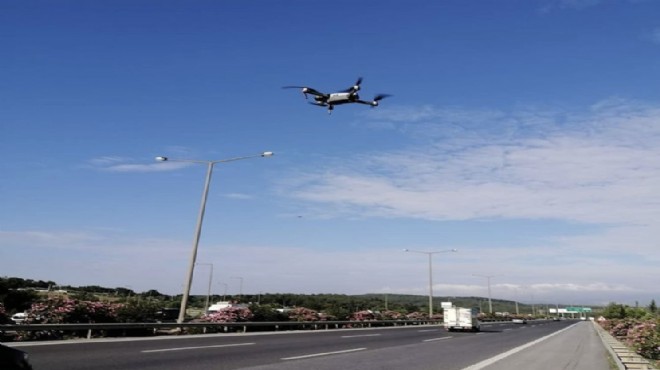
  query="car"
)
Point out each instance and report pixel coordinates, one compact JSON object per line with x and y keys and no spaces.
{"x":18,"y":318}
{"x":519,"y":321}
{"x":13,"y":359}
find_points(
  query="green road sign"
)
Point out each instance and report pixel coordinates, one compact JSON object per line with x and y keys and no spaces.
{"x":578,"y":309}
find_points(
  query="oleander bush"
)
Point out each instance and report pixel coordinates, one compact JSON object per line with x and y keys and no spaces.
{"x":228,"y":314}
{"x":641,"y":335}
{"x":69,"y":311}
{"x":644,"y":337}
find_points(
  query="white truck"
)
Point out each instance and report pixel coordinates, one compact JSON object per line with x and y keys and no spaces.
{"x":459,"y":318}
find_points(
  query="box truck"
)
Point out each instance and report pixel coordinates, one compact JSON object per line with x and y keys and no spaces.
{"x":459,"y":318}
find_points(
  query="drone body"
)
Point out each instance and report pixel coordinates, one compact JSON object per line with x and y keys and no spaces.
{"x":349,"y":95}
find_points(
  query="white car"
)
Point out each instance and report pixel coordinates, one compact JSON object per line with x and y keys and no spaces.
{"x":18,"y":318}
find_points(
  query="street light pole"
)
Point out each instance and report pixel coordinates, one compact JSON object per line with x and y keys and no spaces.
{"x":208,"y":292}
{"x":224,"y":292}
{"x":240,"y":287}
{"x":490,"y":302}
{"x":430,"y":255}
{"x":200,"y":219}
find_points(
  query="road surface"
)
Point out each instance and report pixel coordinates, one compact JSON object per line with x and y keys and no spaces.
{"x":561,"y":345}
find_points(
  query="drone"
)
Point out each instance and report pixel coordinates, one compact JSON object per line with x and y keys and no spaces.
{"x":349,"y":95}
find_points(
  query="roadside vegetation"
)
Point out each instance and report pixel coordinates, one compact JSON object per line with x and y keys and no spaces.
{"x":637,"y":327}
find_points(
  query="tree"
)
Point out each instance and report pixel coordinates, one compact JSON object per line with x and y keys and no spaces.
{"x":18,"y":300}
{"x":652,"y":307}
{"x":614,"y":311}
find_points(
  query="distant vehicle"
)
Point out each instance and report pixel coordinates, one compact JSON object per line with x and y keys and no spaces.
{"x":13,"y":359}
{"x":18,"y":318}
{"x":342,"y":97}
{"x":167,"y":315}
{"x":458,"y":318}
{"x":519,"y":321}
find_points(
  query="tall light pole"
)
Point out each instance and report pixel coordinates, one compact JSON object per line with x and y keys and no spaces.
{"x":430,"y":254}
{"x":240,"y":287}
{"x":208,"y":292}
{"x":200,"y":218}
{"x":490,"y":302}
{"x":224,"y":294}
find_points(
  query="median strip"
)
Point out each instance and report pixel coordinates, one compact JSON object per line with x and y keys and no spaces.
{"x":323,"y":354}
{"x":200,"y":347}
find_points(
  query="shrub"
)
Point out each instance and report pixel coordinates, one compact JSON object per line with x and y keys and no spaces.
{"x":303,"y":314}
{"x":228,"y":314}
{"x":644,"y":337}
{"x":69,"y":311}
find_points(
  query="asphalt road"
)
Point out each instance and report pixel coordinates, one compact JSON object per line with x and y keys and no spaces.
{"x":419,"y":347}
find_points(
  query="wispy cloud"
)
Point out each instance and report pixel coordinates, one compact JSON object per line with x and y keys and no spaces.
{"x":238,"y":196}
{"x":123,"y":164}
{"x":601,"y":165}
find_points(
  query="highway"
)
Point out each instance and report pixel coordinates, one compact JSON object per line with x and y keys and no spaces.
{"x":411,"y":347}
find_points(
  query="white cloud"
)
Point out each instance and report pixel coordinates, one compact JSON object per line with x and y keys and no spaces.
{"x":122,"y":164}
{"x":602,"y":166}
{"x":565,"y":274}
{"x":241,"y":196}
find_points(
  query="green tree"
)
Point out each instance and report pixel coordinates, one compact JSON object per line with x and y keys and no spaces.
{"x":652,"y":307}
{"x":614,"y":311}
{"x":18,"y":300}
{"x":267,"y":313}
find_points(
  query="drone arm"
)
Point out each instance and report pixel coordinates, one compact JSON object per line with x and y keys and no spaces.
{"x":365,"y":102}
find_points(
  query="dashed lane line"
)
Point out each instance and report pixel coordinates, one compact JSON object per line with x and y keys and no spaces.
{"x":322,"y":354}
{"x":199,"y":347}
{"x":360,"y":336}
{"x":435,"y":339}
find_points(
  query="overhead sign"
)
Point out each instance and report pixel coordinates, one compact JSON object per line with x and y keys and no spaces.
{"x":578,"y":309}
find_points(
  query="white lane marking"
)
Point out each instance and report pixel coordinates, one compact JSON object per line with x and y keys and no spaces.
{"x":424,"y":331}
{"x":361,"y":335}
{"x":434,"y":339}
{"x":200,"y":347}
{"x":323,"y":354}
{"x":507,"y":329}
{"x":492,"y":360}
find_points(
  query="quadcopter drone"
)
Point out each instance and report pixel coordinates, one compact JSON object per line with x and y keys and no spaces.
{"x":343,"y":97}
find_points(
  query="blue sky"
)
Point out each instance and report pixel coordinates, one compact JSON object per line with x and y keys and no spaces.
{"x":522,"y":133}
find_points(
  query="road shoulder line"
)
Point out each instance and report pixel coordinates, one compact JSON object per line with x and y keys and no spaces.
{"x":492,"y":360}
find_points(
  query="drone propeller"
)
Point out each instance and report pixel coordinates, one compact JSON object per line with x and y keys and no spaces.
{"x":378,"y":98}
{"x":355,"y":88}
{"x":305,"y":90}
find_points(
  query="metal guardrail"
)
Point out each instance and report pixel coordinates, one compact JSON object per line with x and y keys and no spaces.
{"x":215,"y":327}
